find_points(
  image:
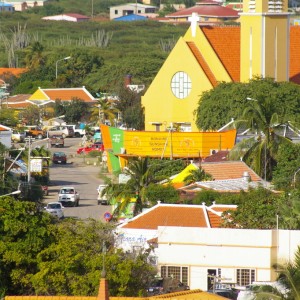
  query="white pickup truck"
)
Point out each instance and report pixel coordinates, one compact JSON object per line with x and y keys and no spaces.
{"x":68,"y":196}
{"x":78,"y":132}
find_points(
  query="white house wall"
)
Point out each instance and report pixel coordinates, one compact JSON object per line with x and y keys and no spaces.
{"x":128,"y":239}
{"x":201,"y":249}
{"x":5,"y":138}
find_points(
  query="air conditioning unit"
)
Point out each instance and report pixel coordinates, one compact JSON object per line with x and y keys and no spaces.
{"x":213,"y":151}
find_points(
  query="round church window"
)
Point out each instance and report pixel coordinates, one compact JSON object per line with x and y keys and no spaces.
{"x":181,"y":85}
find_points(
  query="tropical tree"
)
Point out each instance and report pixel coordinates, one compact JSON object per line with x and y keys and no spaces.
{"x":228,"y":100}
{"x":260,"y":208}
{"x":285,"y":174}
{"x":8,"y":117}
{"x":289,"y":275}
{"x":104,"y":110}
{"x":76,"y":111}
{"x":264,"y":118}
{"x":34,"y":58}
{"x":197,"y":175}
{"x":164,"y":193}
{"x":24,"y":231}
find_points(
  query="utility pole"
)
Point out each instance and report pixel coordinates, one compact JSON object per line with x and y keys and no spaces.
{"x":29,"y":140}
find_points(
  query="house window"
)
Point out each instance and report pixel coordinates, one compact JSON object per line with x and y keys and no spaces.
{"x":139,"y":11}
{"x":116,"y":12}
{"x":245,"y":276}
{"x":180,"y":273}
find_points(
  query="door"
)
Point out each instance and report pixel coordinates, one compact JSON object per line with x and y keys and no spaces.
{"x":211,"y":276}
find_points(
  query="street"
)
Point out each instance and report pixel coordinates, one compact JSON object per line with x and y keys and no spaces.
{"x":85,"y":178}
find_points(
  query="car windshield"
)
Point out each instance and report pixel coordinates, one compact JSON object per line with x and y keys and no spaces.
{"x":59,"y":154}
{"x":67,"y":191}
{"x":54,"y":206}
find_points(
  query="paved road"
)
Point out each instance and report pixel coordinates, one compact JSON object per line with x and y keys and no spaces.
{"x":85,"y":178}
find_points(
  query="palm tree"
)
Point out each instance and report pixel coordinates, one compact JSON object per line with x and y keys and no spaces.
{"x":289,"y":275}
{"x":141,"y":174}
{"x":197,"y":175}
{"x":104,"y":110}
{"x":260,"y":152}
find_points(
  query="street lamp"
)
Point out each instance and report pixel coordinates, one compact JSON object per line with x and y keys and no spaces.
{"x":295,"y":177}
{"x":65,"y":58}
{"x":12,"y":193}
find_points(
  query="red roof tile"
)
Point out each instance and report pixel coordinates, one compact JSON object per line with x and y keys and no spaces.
{"x":205,"y":67}
{"x":178,"y":215}
{"x":209,"y":10}
{"x":229,"y":170}
{"x":68,"y":94}
{"x":225,"y":40}
{"x":217,"y":157}
{"x":13,"y":71}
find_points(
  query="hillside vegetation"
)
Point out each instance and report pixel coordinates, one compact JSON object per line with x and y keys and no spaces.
{"x":136,"y":48}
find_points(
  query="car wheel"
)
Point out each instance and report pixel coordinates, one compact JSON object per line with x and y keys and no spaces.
{"x":77,"y":134}
{"x":63,"y":135}
{"x":40,"y":136}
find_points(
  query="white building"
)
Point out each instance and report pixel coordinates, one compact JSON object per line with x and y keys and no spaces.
{"x":190,"y":245}
{"x":132,"y":8}
{"x":67,"y":17}
{"x":21,"y":5}
{"x":5,"y":136}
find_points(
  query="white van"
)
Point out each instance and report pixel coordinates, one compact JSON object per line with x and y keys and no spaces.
{"x":102,"y":199}
{"x":62,"y":130}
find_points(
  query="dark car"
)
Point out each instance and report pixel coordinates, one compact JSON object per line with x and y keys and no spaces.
{"x":166,"y":285}
{"x":59,"y":158}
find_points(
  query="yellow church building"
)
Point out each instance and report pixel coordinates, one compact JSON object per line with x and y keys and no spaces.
{"x":263,"y":45}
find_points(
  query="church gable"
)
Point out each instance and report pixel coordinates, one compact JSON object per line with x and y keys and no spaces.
{"x":173,"y":107}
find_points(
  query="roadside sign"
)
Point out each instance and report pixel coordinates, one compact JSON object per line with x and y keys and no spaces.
{"x":107,"y":216}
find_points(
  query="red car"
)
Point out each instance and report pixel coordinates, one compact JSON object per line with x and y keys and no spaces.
{"x":94,"y":147}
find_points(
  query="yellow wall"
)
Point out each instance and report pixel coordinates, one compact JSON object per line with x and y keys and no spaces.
{"x":264,"y":42}
{"x":38,"y":95}
{"x":161,"y":106}
{"x":177,"y":144}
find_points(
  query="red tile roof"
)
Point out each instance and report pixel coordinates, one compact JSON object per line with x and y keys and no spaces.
{"x":217,"y":157}
{"x":208,"y":10}
{"x":205,"y":67}
{"x":225,"y":40}
{"x":13,"y":71}
{"x":67,"y":94}
{"x":17,"y":101}
{"x":295,"y":54}
{"x":229,"y":170}
{"x":77,"y":16}
{"x":177,"y":215}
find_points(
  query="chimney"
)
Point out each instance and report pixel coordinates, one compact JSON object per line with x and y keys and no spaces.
{"x":246,"y":176}
{"x":103,"y":289}
{"x":127,"y":80}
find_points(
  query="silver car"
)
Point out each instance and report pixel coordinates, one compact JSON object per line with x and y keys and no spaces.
{"x":55,"y":209}
{"x":68,"y":196}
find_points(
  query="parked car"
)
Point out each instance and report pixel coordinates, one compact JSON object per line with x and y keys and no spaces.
{"x":102,"y":199}
{"x":166,"y":285}
{"x":78,"y":131}
{"x":62,"y":130}
{"x":36,"y":132}
{"x":97,"y":135}
{"x":93,"y":147}
{"x":59,"y":158}
{"x":45,"y":190}
{"x":55,"y":209}
{"x":18,"y":136}
{"x":57,"y":141}
{"x":68,"y":196}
